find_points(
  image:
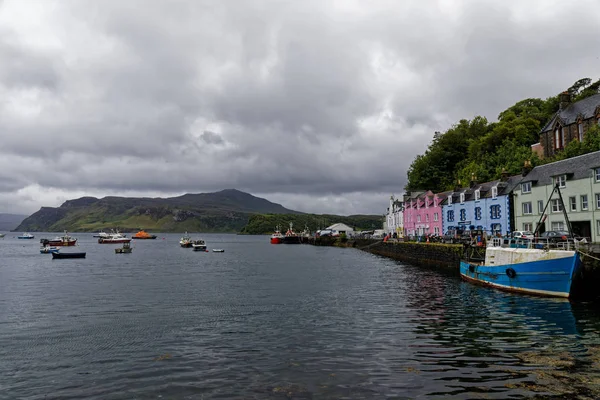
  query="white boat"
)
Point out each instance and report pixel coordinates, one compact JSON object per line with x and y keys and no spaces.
{"x":218,"y":251}
{"x":199,"y":245}
{"x":185,"y":241}
{"x":25,"y":235}
{"x":114,"y":237}
{"x":49,"y":249}
{"x":101,"y":234}
{"x":2,"y":235}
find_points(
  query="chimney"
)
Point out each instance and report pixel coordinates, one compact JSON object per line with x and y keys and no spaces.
{"x":526,"y":167}
{"x":457,"y":186}
{"x":473,"y":180}
{"x":504,"y":175}
{"x":565,"y":100}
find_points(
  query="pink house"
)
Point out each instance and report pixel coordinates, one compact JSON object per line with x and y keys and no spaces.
{"x":423,"y":213}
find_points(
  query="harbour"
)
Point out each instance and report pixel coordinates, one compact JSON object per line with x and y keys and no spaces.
{"x":277,"y":321}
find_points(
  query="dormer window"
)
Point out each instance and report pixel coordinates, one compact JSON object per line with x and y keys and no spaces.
{"x":526,"y":187}
{"x":561,"y":181}
{"x":477,"y":194}
{"x":427,"y":202}
{"x":494,"y":192}
{"x":462,"y":197}
{"x":450,"y":199}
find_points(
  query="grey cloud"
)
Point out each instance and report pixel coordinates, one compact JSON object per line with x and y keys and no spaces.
{"x":322,"y":101}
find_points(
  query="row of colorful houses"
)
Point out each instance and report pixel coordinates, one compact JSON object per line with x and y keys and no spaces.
{"x":519,"y":202}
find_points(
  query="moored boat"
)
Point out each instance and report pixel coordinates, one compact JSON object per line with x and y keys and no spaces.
{"x":25,"y":235}
{"x":544,"y":272}
{"x":67,"y":255}
{"x":49,"y":249}
{"x":2,"y":235}
{"x":101,"y":234}
{"x":114,"y":237}
{"x":218,"y":251}
{"x":126,"y":249}
{"x":277,"y":236}
{"x":64,"y":240}
{"x":185,"y":241}
{"x":142,"y":234}
{"x":290,"y":236}
{"x":199,"y":245}
{"x":528,"y":266}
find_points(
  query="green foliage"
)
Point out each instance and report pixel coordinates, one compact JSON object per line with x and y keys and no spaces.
{"x":262,"y":224}
{"x":482,"y":149}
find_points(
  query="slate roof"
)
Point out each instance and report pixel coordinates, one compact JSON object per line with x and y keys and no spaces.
{"x":579,"y":167}
{"x":585,"y":108}
{"x":485,"y":189}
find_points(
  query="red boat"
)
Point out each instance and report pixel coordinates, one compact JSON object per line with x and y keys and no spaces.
{"x":277,"y":236}
{"x":291,"y":237}
{"x":64,"y":240}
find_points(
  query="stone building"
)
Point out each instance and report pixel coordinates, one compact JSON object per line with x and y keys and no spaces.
{"x":570,"y":122}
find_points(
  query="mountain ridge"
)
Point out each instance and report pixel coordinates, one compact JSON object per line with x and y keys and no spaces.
{"x":225,"y":211}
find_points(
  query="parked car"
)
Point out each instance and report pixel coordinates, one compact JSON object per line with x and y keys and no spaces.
{"x":558,"y":236}
{"x":452,"y":236}
{"x":522,"y":235}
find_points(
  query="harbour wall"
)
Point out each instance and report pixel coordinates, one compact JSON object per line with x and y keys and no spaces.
{"x":448,"y":256}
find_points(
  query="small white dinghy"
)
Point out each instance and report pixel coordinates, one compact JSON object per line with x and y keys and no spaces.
{"x":218,"y":251}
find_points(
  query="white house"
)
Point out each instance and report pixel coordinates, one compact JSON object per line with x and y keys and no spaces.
{"x":394,"y":220}
{"x":340,"y":229}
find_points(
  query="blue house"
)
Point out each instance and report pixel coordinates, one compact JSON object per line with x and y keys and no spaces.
{"x":486,"y":206}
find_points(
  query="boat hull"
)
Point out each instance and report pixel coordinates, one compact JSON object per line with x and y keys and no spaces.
{"x":123,"y":251}
{"x":292,"y":240}
{"x":276,"y":240}
{"x":143,"y":238}
{"x":58,"y":243}
{"x":544,"y":277}
{"x":68,"y":255}
{"x":109,"y":241}
{"x":24,"y":237}
{"x":199,"y":248}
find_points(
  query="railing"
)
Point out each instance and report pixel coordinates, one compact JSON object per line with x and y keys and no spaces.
{"x":539,"y":243}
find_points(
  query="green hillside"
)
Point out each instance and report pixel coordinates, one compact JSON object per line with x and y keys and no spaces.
{"x":224,"y":211}
{"x":265,"y":223}
{"x":478,"y":147}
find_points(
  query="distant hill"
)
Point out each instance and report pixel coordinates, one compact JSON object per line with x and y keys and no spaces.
{"x":8,"y":222}
{"x":224,"y":211}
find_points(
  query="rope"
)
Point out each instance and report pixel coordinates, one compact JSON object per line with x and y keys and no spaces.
{"x":589,"y":255}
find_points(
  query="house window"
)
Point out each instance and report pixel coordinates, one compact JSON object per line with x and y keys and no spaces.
{"x":558,"y":226}
{"x":450,"y":216}
{"x":557,"y":142}
{"x":494,"y":192}
{"x":450,"y":199}
{"x":526,"y":187}
{"x":427,"y":202}
{"x":527,"y":208}
{"x":557,"y":205}
{"x":418,"y":218}
{"x":598,"y":200}
{"x":561,"y":181}
{"x":436,"y":230}
{"x":477,"y":194}
{"x":426,"y":217}
{"x":528,"y":226}
{"x":496,"y":228}
{"x":598,"y":226}
{"x":597,"y":174}
{"x":463,"y":214}
{"x":584,"y":202}
{"x":580,"y":131}
{"x":462,"y":197}
{"x":573,"y":203}
{"x":540,"y":206}
{"x":495,"y":212}
{"x":435,"y":217}
{"x":477,"y":213}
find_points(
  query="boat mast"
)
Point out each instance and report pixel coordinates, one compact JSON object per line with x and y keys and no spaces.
{"x":567,"y":221}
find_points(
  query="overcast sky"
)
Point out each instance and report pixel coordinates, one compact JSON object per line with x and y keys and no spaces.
{"x":318,"y":105}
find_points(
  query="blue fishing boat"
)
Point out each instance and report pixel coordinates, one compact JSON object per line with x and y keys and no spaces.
{"x":529,"y":266}
{"x":543,"y":272}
